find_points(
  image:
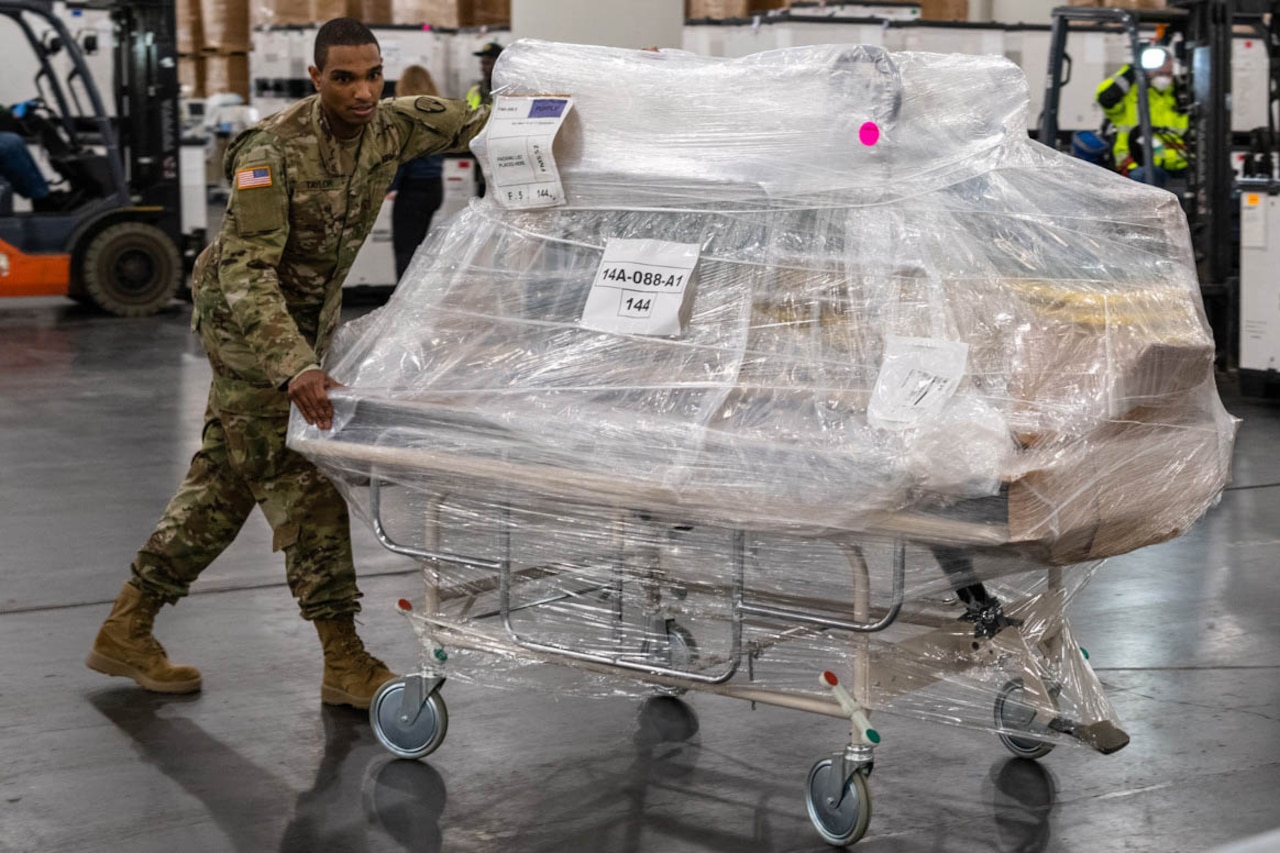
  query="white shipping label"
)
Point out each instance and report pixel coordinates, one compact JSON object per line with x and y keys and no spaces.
{"x":917,"y":378}
{"x":640,"y":287}
{"x":519,"y":167}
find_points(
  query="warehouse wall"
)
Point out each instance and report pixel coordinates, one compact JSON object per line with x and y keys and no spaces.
{"x":619,"y":23}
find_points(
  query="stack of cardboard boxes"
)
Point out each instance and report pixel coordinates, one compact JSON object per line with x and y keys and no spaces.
{"x":213,"y":44}
{"x":452,"y":13}
{"x":724,"y":9}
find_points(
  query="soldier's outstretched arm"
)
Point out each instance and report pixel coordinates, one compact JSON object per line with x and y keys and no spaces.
{"x":253,"y":239}
{"x":430,"y":125}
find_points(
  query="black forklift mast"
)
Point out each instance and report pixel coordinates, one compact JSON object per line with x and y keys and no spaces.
{"x":1206,"y":50}
{"x":1206,"y":28}
{"x":1078,"y":18}
{"x":145,"y":57}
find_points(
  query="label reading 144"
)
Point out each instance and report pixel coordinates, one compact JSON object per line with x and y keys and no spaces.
{"x":640,"y":287}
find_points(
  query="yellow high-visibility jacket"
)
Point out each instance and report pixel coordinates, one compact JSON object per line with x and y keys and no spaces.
{"x":1118,"y":97}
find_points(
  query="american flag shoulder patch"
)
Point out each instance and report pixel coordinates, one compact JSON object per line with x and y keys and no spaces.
{"x":253,"y":177}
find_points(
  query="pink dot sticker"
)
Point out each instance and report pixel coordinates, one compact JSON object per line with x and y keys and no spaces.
{"x":869,"y":133}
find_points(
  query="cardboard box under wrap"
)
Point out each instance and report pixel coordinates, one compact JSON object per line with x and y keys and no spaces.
{"x":224,"y":26}
{"x":1102,"y":356}
{"x":1119,"y":488}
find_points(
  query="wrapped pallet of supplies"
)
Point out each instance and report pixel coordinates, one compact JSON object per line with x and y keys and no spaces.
{"x":747,"y":370}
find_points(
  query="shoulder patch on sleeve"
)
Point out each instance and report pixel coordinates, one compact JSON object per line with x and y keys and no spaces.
{"x":253,"y":177}
{"x":426,"y":104}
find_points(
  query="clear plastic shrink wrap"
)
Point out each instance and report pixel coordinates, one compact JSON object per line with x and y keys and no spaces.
{"x":918,"y":350}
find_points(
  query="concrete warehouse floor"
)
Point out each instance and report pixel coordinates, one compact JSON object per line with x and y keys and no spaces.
{"x":98,"y":417}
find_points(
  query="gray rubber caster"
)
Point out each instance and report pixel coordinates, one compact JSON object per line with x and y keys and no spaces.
{"x":843,"y":823}
{"x":1012,"y":713}
{"x":400,"y":730}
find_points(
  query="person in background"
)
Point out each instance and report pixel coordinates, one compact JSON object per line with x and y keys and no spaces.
{"x":418,"y":188}
{"x":482,"y":92}
{"x":1118,"y":97}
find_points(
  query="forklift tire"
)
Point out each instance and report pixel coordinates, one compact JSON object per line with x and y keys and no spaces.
{"x":131,"y":269}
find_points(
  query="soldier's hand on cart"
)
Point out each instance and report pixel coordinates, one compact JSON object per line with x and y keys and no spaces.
{"x":309,"y":391}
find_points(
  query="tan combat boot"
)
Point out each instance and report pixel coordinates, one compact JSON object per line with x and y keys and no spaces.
{"x":124,"y":646}
{"x":351,"y":674}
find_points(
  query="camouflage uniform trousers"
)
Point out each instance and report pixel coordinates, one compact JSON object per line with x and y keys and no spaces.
{"x":243,"y":461}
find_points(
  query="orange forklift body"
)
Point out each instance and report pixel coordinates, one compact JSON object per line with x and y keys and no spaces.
{"x":33,"y":275}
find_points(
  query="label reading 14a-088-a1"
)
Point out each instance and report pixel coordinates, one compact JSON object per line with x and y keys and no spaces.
{"x":640,"y":287}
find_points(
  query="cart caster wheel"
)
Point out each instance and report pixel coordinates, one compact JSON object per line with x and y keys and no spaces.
{"x":414,"y":738}
{"x":1012,"y":713}
{"x":843,"y":823}
{"x":683,"y":651}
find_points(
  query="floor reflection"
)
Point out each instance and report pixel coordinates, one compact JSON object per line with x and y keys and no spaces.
{"x":401,"y":801}
{"x":1022,"y":805}
{"x":243,"y":798}
{"x":362,"y":799}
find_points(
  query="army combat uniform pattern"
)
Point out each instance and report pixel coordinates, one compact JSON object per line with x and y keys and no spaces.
{"x":267,"y":295}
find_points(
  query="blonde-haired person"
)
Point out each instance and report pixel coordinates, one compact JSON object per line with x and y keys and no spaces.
{"x":418,"y":187}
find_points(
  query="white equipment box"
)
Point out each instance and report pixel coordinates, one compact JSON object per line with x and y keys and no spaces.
{"x":1259,"y":284}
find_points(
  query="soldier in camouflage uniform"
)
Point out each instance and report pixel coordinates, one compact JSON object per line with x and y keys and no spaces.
{"x":307,"y":184}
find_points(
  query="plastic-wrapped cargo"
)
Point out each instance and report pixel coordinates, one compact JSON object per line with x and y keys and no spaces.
{"x":923,"y":375}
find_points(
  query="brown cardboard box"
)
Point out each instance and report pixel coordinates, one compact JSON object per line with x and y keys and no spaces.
{"x":283,"y":12}
{"x":326,"y":10}
{"x":944,"y":10}
{"x":1119,"y":488}
{"x":723,"y":9}
{"x":191,"y":76}
{"x":224,"y":26}
{"x":228,"y":72}
{"x":190,"y":29}
{"x":375,"y":12}
{"x":492,"y":13}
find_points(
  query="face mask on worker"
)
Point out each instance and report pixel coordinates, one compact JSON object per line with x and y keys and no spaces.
{"x":1162,"y":82}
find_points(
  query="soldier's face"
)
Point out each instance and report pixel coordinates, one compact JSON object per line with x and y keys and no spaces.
{"x":350,"y":86}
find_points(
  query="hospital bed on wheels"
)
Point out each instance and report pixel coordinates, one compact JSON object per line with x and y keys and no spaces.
{"x":627,"y":595}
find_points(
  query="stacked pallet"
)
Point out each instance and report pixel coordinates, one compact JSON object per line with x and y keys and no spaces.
{"x":213,"y":47}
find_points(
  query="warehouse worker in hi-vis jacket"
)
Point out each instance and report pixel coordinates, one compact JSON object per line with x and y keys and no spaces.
{"x":1118,"y":97}
{"x":307,"y":184}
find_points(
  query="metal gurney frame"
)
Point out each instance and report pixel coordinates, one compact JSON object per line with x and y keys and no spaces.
{"x":410,"y":718}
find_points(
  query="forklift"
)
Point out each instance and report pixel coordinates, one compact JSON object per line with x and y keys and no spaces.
{"x":1199,"y":32}
{"x":118,"y":244}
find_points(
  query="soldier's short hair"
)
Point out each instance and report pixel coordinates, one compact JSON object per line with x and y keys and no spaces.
{"x":344,"y":32}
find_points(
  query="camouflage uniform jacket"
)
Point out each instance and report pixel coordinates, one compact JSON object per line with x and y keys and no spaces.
{"x":268,"y":289}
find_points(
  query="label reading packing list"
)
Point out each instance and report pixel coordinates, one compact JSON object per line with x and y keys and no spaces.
{"x":640,"y":287}
{"x":520,"y":171}
{"x":917,"y":378}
